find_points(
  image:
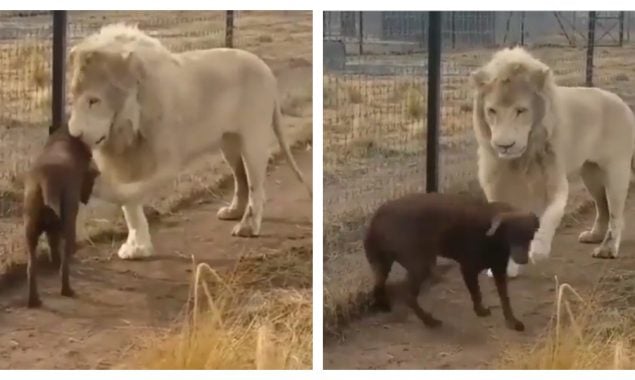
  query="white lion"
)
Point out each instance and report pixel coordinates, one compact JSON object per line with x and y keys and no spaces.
{"x":147,"y":113}
{"x":532,"y":134}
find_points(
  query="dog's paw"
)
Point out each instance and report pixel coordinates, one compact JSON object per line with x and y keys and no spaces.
{"x":515,"y":324}
{"x":432,"y":322}
{"x":34,"y":302}
{"x":67,"y":292}
{"x":133,"y":250}
{"x":482,"y":311}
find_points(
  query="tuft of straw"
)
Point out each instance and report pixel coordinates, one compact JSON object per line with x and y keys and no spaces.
{"x":585,"y":336}
{"x":240,"y":320}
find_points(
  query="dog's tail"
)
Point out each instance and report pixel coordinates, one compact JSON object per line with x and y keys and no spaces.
{"x":277,"y":128}
{"x":52,"y":197}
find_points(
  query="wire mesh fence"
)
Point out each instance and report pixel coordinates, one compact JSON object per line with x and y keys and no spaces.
{"x":26,"y":49}
{"x":375,"y":96}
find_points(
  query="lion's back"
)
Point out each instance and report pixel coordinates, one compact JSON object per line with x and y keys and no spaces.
{"x":226,"y":65}
{"x":595,"y":125}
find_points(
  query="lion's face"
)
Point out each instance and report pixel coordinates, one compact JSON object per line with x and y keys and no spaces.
{"x":508,"y":109}
{"x":510,"y":100}
{"x":100,"y":90}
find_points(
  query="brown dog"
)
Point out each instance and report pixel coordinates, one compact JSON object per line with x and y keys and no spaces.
{"x":415,"y":229}
{"x":60,"y":178}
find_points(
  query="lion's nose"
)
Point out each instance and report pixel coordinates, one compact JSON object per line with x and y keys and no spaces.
{"x":506,"y":146}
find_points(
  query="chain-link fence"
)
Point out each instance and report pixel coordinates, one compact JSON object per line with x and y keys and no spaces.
{"x":281,"y":38}
{"x":375,"y":103}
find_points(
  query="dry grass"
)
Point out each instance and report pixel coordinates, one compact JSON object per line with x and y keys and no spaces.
{"x":586,"y":335}
{"x":415,"y":103}
{"x":245,"y":320}
{"x":381,"y":108}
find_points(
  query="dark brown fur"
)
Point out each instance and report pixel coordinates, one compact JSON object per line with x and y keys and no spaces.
{"x":417,"y":228}
{"x":60,"y":178}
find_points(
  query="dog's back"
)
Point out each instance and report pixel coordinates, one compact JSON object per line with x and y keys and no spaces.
{"x":403,"y":226}
{"x":59,"y":169}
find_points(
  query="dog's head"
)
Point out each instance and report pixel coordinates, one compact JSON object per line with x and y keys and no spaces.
{"x":517,"y":230}
{"x":88,"y":182}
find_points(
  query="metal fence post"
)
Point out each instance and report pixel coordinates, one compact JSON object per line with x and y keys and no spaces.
{"x":434,"y":101}
{"x":58,"y":70}
{"x":361,"y":33}
{"x":522,"y":28}
{"x":229,"y":29}
{"x":589,"y":50}
{"x":453,"y":26}
{"x":621,"y":28}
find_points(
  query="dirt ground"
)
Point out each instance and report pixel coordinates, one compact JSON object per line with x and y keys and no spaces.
{"x":120,"y":300}
{"x":398,"y":340}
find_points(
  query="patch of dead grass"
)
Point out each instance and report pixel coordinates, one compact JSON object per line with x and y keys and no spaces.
{"x":415,"y":103}
{"x":247,"y":319}
{"x":586,"y":334}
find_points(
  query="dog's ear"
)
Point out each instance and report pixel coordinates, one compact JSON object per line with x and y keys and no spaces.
{"x":520,"y":226}
{"x":88,"y":183}
{"x":496,"y":223}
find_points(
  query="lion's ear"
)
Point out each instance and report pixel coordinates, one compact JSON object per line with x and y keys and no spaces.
{"x":124,"y":68}
{"x":539,"y":77}
{"x":479,"y":79}
{"x":132,"y":66}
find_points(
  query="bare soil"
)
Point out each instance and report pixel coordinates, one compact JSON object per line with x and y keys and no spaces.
{"x":119,"y":301}
{"x":398,"y":340}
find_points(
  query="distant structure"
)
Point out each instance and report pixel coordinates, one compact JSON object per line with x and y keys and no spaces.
{"x":406,"y":32}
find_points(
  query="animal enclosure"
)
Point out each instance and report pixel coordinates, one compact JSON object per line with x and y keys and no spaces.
{"x":375,"y":113}
{"x":26,"y":73}
{"x":182,"y":215}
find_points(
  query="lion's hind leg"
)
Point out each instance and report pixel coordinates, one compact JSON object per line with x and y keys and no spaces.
{"x":618,"y":175}
{"x":255,"y":158}
{"x":593,"y":178}
{"x":231,"y":147}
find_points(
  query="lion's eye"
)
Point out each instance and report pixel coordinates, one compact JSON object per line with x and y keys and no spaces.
{"x":520,"y":111}
{"x":92,"y":101}
{"x":491,"y":111}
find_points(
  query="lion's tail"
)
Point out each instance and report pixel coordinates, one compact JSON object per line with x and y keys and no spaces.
{"x":277,"y":128}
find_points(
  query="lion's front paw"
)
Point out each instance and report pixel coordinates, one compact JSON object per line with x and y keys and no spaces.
{"x":229,"y":213}
{"x":539,"y":250}
{"x":244,"y":229}
{"x":605,"y":251}
{"x":590,"y":237}
{"x":512,"y":271}
{"x":134,"y":250}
